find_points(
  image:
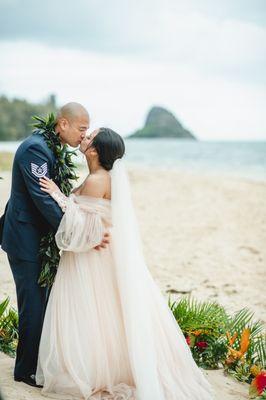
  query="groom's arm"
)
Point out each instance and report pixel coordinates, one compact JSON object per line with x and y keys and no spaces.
{"x":36,"y":156}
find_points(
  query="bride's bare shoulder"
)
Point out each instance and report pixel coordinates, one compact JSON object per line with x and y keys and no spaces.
{"x":97,"y":185}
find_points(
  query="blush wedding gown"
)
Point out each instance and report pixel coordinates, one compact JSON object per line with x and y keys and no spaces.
{"x":108,"y":332}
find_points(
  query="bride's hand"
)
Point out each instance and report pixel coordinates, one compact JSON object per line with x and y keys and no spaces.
{"x":105,"y":242}
{"x":48,"y":185}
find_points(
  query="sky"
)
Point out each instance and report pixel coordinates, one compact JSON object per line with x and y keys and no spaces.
{"x":205,"y":61}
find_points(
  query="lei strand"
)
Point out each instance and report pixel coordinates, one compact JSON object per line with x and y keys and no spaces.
{"x":63,"y":172}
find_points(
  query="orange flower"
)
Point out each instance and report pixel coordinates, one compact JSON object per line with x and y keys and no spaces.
{"x":231,"y":340}
{"x":234,"y":354}
{"x":244,"y":342}
{"x":255,"y":370}
{"x":197,"y":332}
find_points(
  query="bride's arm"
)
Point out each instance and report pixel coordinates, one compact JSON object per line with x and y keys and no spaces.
{"x":77,"y":188}
{"x":48,"y":186}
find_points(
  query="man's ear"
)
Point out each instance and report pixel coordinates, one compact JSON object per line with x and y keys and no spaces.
{"x":63,"y":123}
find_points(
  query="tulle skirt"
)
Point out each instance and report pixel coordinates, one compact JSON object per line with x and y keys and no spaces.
{"x":84,"y":350}
{"x":83,"y":347}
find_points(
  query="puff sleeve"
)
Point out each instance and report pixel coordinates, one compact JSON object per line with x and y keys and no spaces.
{"x":82,"y":226}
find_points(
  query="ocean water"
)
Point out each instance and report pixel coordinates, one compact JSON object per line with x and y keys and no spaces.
{"x":237,"y":159}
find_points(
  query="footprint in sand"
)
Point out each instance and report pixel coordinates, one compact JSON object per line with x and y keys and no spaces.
{"x":249,"y":249}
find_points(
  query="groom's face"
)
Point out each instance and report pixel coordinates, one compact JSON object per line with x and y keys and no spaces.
{"x":73,"y":131}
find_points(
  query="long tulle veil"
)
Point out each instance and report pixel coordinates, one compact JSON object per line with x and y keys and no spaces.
{"x":132,"y":278}
{"x":153,"y":336}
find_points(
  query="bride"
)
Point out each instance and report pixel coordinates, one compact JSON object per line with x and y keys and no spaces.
{"x":108,"y":332}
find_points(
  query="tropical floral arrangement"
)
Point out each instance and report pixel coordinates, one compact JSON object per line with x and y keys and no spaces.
{"x":236,"y":343}
{"x":8,"y":328}
{"x":216,"y":339}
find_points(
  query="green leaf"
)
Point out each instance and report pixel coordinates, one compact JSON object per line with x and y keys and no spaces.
{"x":63,"y":173}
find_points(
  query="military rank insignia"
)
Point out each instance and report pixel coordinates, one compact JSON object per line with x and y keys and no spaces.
{"x":39,"y":171}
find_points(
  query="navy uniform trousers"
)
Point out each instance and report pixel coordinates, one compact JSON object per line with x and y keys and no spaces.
{"x":31,"y":300}
{"x":29,"y":215}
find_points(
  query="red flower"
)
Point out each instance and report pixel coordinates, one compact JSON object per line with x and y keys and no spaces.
{"x":202,"y":345}
{"x":261,"y":381}
{"x":188,"y":340}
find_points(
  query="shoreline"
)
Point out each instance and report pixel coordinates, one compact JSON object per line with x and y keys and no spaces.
{"x":218,"y":159}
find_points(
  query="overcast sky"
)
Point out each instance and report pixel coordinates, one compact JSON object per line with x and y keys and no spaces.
{"x":203,"y":60}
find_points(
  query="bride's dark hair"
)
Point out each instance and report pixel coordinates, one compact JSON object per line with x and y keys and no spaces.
{"x":109,"y":146}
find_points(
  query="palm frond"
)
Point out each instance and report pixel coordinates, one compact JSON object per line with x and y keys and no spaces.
{"x":258,"y":351}
{"x":241,"y":320}
{"x":195,"y":315}
{"x":3,"y":308}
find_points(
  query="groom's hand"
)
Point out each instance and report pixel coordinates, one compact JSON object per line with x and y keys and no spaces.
{"x":104,"y":242}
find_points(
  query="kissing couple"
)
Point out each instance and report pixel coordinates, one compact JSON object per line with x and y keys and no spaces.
{"x":103,"y":330}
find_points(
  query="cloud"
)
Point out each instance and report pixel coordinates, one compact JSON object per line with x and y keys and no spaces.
{"x":214,"y":38}
{"x":205,"y":61}
{"x":118,"y":91}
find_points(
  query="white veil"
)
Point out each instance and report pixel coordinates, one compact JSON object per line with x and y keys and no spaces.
{"x":132,"y":278}
{"x":161,"y":361}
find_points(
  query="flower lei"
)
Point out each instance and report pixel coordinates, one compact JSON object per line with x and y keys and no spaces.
{"x":63,"y":172}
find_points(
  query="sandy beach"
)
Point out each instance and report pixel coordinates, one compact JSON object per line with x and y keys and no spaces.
{"x":203,"y":235}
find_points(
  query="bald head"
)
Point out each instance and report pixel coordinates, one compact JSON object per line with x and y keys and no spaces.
{"x":71,"y":111}
{"x":72,"y":123}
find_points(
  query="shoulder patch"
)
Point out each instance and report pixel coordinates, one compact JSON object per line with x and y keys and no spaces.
{"x":39,"y":171}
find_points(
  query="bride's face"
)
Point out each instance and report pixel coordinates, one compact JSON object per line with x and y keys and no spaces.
{"x":85,"y":145}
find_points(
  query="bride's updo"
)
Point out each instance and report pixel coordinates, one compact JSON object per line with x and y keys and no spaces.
{"x":109,"y":146}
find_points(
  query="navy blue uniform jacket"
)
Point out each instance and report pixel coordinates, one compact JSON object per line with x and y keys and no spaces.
{"x":30,"y":212}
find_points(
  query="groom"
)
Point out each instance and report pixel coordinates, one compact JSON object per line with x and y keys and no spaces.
{"x":29,"y":215}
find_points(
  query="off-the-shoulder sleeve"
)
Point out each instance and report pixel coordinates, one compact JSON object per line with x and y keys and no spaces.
{"x":81,"y":228}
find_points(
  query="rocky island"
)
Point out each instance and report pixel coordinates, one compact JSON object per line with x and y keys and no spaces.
{"x":161,"y":123}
